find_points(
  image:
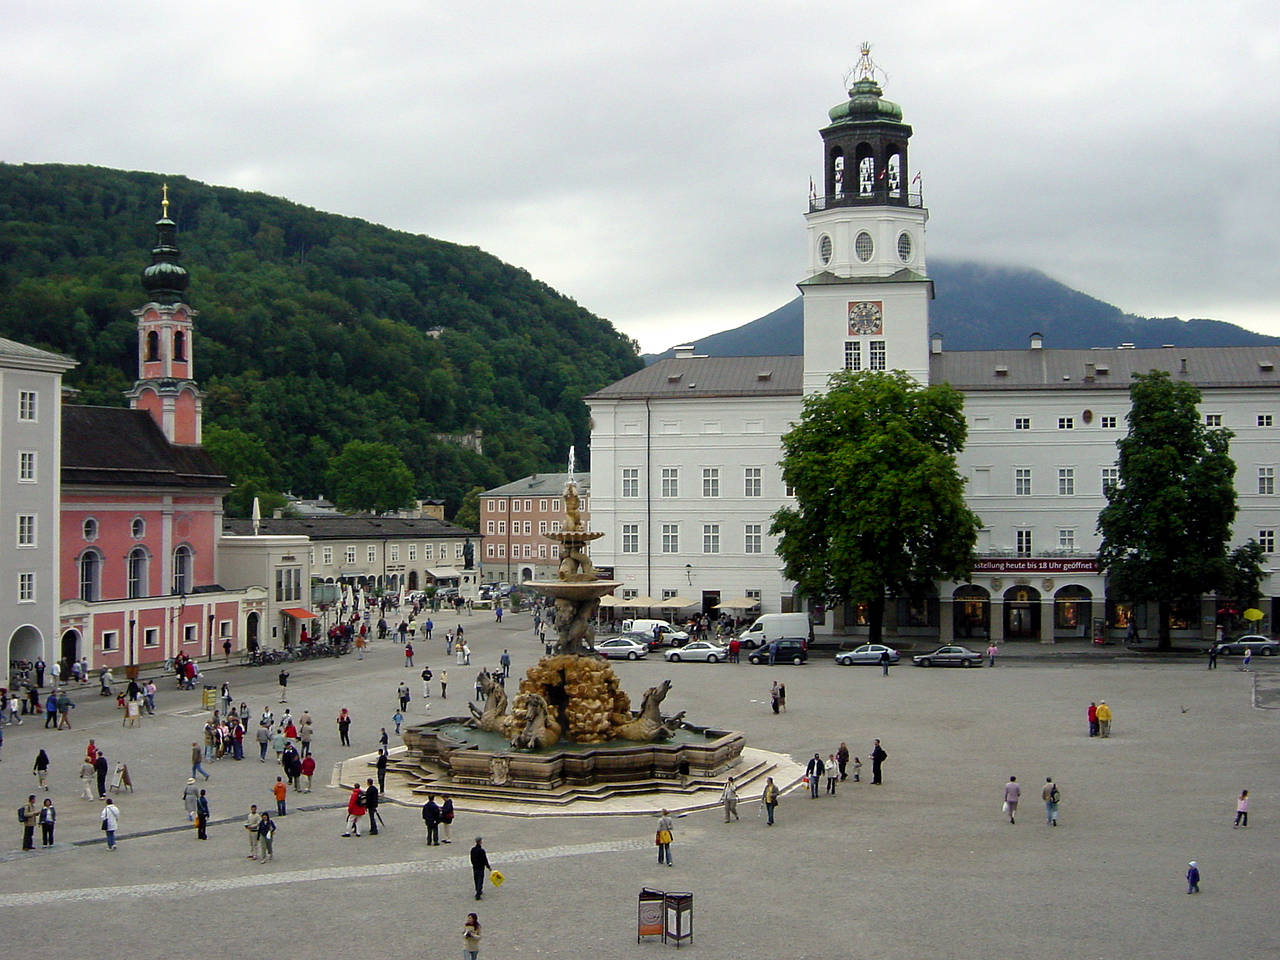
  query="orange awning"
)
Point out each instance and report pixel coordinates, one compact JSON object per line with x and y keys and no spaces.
{"x":299,"y":614}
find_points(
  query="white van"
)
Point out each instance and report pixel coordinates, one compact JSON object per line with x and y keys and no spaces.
{"x":667,"y":634}
{"x":777,"y":626}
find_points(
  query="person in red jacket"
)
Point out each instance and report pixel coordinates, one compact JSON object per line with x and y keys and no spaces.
{"x":308,"y":768}
{"x":355,"y":810}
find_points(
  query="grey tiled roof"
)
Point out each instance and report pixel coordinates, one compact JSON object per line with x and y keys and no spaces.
{"x":540,"y":484}
{"x":22,"y":351}
{"x":116,"y":446}
{"x":350,"y":528}
{"x":1257,"y":366}
{"x":701,"y":377}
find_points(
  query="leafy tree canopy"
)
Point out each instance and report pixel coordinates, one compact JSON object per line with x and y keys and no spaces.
{"x":1167,"y":522}
{"x":880,"y":506}
{"x":370,"y":478}
{"x":313,"y":329}
{"x":468,"y":514}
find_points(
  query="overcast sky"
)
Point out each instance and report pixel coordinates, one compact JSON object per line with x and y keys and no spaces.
{"x":652,"y":160}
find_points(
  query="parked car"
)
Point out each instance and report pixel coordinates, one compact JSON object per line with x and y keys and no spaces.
{"x":951,"y":655}
{"x":645,"y":638}
{"x":790,"y":650}
{"x":622,"y":648}
{"x":703,"y":650}
{"x":867,"y":653}
{"x":1260,"y":645}
{"x":666,"y":633}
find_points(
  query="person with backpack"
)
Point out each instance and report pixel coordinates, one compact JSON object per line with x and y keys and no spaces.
{"x":1051,"y":796}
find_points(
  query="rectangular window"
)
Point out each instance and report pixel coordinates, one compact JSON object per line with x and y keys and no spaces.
{"x":489,"y":550}
{"x":502,"y":550}
{"x":489,"y":527}
{"x":26,"y":587}
{"x":457,"y":550}
{"x":502,"y":527}
{"x":224,"y":628}
{"x":26,"y":529}
{"x":671,"y":538}
{"x":1264,"y":419}
{"x":542,"y":551}
{"x":711,"y":481}
{"x":1022,"y":423}
{"x":711,"y":538}
{"x":1110,"y":478}
{"x":26,"y":466}
{"x":1066,"y":423}
{"x":528,"y":551}
{"x":876,"y":355}
{"x":556,"y":506}
{"x":151,"y":637}
{"x":1067,"y":540}
{"x":350,"y":555}
{"x":555,"y":526}
{"x":555,"y":551}
{"x":671,"y":481}
{"x":542,"y":527}
{"x":189,"y":633}
{"x":631,"y":538}
{"x":1213,"y":419}
{"x":1267,"y":540}
{"x":372,"y":553}
{"x":1108,"y":423}
{"x":413,"y":552}
{"x":429,"y":549}
{"x":311,"y":556}
{"x":1066,"y":481}
{"x":542,"y":506}
{"x":751,"y":538}
{"x":751,"y":482}
{"x":110,"y":639}
{"x":279,"y":585}
{"x":1023,"y":542}
{"x":515,"y":506}
{"x":1022,"y":482}
{"x":1267,"y":480}
{"x":27,"y":405}
{"x":326,"y":555}
{"x":667,"y":594}
{"x":395,"y":553}
{"x":852,"y":355}
{"x":528,"y":528}
{"x":502,"y":506}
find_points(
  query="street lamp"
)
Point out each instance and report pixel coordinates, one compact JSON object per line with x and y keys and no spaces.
{"x":688,"y":573}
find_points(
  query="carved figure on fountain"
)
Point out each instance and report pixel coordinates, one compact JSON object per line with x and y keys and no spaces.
{"x":493,"y":715}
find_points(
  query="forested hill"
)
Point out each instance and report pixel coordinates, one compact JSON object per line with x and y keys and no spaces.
{"x":312,"y":328}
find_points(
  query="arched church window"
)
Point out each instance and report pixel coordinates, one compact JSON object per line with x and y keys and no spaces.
{"x":182,"y":570}
{"x":866,"y":176}
{"x":153,"y":346}
{"x":137,"y":573}
{"x":179,"y":346}
{"x":893,"y":174}
{"x":837,"y":174}
{"x":90,"y":569}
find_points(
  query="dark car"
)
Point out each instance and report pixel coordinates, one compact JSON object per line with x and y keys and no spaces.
{"x":789,"y":651}
{"x":952,"y":655}
{"x":1260,"y":645}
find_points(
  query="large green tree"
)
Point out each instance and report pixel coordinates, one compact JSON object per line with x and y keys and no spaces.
{"x":880,"y":508}
{"x":250,"y":467}
{"x":370,"y":478}
{"x":1167,"y":523}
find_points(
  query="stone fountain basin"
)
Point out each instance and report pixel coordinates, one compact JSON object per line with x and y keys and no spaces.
{"x":471,"y":756}
{"x":573,"y":589}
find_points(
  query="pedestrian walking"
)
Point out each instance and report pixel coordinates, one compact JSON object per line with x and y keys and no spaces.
{"x":813,"y":774}
{"x":446,"y":817}
{"x":857,"y":769}
{"x":1213,"y":656}
{"x":308,"y":770}
{"x":284,"y":686}
{"x":884,"y":663}
{"x":263,"y":736}
{"x":773,"y":697}
{"x":408,"y":654}
{"x":41,"y":770}
{"x":1245,"y":663}
{"x":444,"y":685}
{"x":202,"y":816}
{"x":397,"y":718}
{"x":431,"y":817}
{"x":1242,"y":810}
{"x":197,"y":761}
{"x":992,"y":650}
{"x":48,"y":819}
{"x":1193,"y":877}
{"x":729,"y":797}
{"x":1051,"y":796}
{"x":381,"y":767}
{"x":479,"y":866}
{"x":1011,"y":794}
{"x":30,"y":817}
{"x":280,"y":792}
{"x":782,"y":697}
{"x":1093,"y":719}
{"x":878,"y":756}
{"x":267,"y":836}
{"x":190,"y":794}
{"x":770,"y":799}
{"x":251,"y":828}
{"x":110,"y":817}
{"x":833,"y":774}
{"x":100,"y":768}
{"x":383,"y":739}
{"x":471,"y":937}
{"x":371,"y":800}
{"x":664,"y":836}
{"x":344,"y":727}
{"x":842,"y":760}
{"x":1104,"y":719}
{"x":402,"y":694}
{"x":355,"y":810}
{"x":426,"y":685}
{"x":505,"y":662}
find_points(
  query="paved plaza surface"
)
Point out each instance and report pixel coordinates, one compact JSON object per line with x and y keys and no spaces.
{"x":923,"y":866}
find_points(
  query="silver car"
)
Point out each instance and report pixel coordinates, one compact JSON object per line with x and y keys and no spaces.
{"x":867,"y":653}
{"x":952,"y":655}
{"x":703,"y":650}
{"x":1260,"y":645}
{"x":622,"y":648}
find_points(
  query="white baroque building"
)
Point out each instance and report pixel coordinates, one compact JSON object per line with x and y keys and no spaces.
{"x":685,"y":453}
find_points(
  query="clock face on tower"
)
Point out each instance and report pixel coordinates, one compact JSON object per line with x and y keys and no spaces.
{"x":866,"y":317}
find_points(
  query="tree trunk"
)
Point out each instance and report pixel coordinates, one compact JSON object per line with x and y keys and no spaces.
{"x":1162,"y":611}
{"x":875,"y":619}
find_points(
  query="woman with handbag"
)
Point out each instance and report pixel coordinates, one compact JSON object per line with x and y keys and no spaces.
{"x":663,"y":837}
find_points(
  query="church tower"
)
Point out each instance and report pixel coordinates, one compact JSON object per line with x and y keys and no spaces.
{"x":165,"y":387}
{"x":866,"y":299}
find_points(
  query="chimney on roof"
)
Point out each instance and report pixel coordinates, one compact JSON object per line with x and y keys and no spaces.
{"x":935,"y":344}
{"x":684,"y":351}
{"x":1037,"y":341}
{"x":1089,"y":371}
{"x":1182,"y":367}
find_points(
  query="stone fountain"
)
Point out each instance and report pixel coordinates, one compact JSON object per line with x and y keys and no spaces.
{"x":568,"y":701}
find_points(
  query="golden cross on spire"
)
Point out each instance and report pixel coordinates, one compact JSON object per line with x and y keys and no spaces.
{"x":164,"y":203}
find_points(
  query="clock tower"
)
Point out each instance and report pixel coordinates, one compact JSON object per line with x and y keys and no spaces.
{"x":866,"y":299}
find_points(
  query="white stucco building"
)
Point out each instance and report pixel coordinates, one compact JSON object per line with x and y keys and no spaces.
{"x":685,"y":453}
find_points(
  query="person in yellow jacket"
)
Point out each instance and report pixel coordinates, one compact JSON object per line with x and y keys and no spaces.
{"x":1104,"y":718}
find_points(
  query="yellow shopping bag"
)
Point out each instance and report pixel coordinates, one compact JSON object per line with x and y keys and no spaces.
{"x":496,"y":877}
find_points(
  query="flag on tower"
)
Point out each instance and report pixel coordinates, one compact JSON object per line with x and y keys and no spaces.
{"x":813,"y":191}
{"x":916,"y":178}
